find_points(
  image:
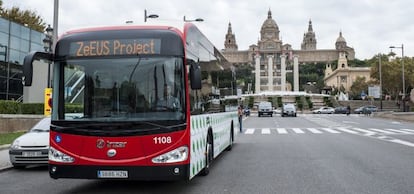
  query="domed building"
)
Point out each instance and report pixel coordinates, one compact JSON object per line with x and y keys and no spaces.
{"x":272,"y":59}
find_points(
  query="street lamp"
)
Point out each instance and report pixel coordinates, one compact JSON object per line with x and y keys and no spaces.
{"x":402,"y":66}
{"x":149,"y":16}
{"x":48,"y":42}
{"x":195,"y":20}
{"x":380,"y":78}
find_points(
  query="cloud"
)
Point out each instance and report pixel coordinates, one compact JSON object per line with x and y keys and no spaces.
{"x":369,"y":26}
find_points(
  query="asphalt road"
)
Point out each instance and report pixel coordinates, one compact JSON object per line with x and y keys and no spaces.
{"x":306,"y":154}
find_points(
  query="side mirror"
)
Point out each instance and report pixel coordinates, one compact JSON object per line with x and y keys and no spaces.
{"x":195,"y":76}
{"x":28,"y":65}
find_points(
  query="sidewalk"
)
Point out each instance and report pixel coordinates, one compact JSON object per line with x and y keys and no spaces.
{"x":4,"y":157}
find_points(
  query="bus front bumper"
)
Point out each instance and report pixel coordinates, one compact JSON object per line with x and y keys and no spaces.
{"x":169,"y":173}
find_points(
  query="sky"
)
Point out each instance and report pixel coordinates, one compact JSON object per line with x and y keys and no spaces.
{"x":369,"y":26}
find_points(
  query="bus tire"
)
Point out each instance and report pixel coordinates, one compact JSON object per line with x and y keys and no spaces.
{"x":208,"y":155}
{"x":231,"y":138}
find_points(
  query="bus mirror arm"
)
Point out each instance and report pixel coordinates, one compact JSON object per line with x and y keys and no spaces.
{"x":195,"y":76}
{"x":28,"y":65}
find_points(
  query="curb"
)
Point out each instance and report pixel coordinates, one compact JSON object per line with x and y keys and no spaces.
{"x":5,"y":146}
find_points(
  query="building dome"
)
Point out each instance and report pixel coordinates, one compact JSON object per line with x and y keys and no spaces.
{"x":269,"y":29}
{"x":340,"y":38}
{"x":340,"y":42}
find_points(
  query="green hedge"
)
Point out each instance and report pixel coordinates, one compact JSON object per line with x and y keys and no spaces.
{"x":9,"y":107}
{"x":13,"y":107}
{"x":32,"y":108}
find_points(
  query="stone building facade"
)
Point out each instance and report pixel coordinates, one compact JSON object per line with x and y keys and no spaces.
{"x":272,"y":58}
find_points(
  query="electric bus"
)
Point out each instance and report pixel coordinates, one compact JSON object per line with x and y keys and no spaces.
{"x":133,"y":102}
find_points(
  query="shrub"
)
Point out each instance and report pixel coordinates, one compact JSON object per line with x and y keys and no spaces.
{"x":9,"y":107}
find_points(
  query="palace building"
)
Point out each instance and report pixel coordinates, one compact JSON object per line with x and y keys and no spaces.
{"x":272,"y":58}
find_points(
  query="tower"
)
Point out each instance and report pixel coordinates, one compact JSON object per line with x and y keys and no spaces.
{"x":309,"y":39}
{"x":230,"y":41}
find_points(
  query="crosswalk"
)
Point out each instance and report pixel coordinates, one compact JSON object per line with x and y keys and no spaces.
{"x":325,"y":130}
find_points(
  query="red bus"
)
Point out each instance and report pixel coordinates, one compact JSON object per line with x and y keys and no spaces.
{"x":135,"y":102}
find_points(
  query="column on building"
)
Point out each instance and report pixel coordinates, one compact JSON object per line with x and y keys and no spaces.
{"x":270,"y":72}
{"x":257,"y":74}
{"x":283,"y":72}
{"x":295,"y":73}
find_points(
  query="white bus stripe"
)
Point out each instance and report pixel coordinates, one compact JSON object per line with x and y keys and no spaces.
{"x":346,"y":130}
{"x":281,"y":130}
{"x":330,"y":130}
{"x":265,"y":131}
{"x":297,"y":130}
{"x":313,"y":130}
{"x":249,"y":131}
{"x":381,"y":131}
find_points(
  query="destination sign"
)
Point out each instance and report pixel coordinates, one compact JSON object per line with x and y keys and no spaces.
{"x":115,"y":47}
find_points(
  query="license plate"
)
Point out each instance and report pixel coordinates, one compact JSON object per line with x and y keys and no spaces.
{"x":112,"y":174}
{"x":31,"y":154}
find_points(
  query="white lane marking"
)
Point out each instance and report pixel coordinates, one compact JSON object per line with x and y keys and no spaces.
{"x":399,"y":141}
{"x":281,"y":130}
{"x":330,"y":130}
{"x":297,"y":130}
{"x":249,"y":131}
{"x":409,"y":130}
{"x":265,"y":131}
{"x":351,"y":122}
{"x":381,"y":131}
{"x":313,"y":130}
{"x":399,"y":131}
{"x":346,"y":130}
{"x":364,"y":131}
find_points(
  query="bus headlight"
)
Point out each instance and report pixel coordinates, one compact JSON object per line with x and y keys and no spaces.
{"x":178,"y":155}
{"x":57,"y":156}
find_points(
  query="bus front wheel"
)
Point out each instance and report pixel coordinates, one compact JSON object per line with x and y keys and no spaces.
{"x":208,"y":156}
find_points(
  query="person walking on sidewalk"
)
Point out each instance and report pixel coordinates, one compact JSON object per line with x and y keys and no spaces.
{"x":240,"y":115}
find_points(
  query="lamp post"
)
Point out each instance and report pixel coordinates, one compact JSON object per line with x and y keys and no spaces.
{"x":402,"y":67}
{"x":380,"y":78}
{"x":149,"y":16}
{"x":48,"y":42}
{"x":195,"y":20}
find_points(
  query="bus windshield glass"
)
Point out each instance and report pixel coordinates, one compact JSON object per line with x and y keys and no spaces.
{"x":124,"y":89}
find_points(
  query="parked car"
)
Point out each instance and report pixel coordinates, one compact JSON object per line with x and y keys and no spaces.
{"x":288,"y":110}
{"x":341,"y":110}
{"x":265,"y":108}
{"x":31,"y":147}
{"x":324,"y":110}
{"x":246,"y":111}
{"x":367,"y":109}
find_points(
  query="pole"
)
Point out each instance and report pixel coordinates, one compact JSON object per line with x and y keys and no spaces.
{"x":380,"y":78}
{"x":403,"y":76}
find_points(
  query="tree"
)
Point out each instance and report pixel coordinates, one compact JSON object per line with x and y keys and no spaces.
{"x":358,"y":86}
{"x":392,"y":74}
{"x":23,"y":17}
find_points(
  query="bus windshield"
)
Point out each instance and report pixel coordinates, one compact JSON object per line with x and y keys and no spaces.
{"x":124,"y":89}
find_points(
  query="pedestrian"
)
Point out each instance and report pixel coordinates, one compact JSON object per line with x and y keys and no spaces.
{"x":240,"y":115}
{"x":348,"y":110}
